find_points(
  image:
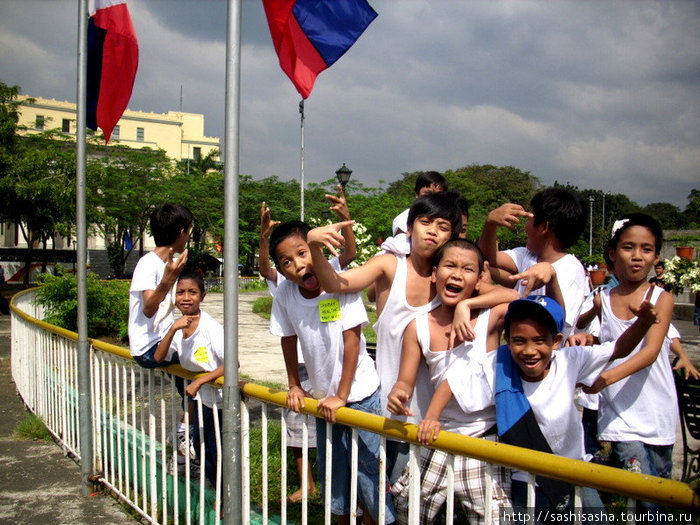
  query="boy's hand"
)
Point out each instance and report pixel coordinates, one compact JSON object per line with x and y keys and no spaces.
{"x":507,"y":215}
{"x":687,"y":368}
{"x":461,"y":325}
{"x":295,"y":399}
{"x":184,"y":322}
{"x":579,"y":339}
{"x":339,"y":204}
{"x":328,"y":236}
{"x":173,"y":268}
{"x":535,"y":277}
{"x":266,"y":222}
{"x":646,"y":312}
{"x":397,"y":401}
{"x":428,"y":431}
{"x":192,"y":389}
{"x":329,"y":406}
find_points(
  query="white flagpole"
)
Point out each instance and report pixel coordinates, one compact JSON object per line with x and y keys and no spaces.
{"x":301,"y":111}
{"x":85,"y":401}
{"x":231,"y":427}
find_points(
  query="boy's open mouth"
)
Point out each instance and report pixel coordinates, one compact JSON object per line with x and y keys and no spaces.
{"x":453,"y":289}
{"x":309,"y":281}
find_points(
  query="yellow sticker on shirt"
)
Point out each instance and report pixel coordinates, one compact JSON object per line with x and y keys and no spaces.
{"x":329,"y":310}
{"x":201,"y":355}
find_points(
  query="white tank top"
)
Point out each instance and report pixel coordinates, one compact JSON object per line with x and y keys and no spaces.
{"x":641,"y":407}
{"x":389,"y":327}
{"x":453,"y":418}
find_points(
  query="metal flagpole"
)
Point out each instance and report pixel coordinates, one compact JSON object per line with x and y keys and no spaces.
{"x":231,"y":426}
{"x":301,"y":112}
{"x":84,"y":398}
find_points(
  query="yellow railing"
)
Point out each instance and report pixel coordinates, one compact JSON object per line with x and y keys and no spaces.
{"x":666,"y":492}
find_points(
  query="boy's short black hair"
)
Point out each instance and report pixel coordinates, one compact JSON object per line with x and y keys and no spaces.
{"x":563,"y":210}
{"x":464,"y":244}
{"x":193,"y":276}
{"x":660,"y":263}
{"x":463,"y":205}
{"x":284,"y":230}
{"x":167,"y":221}
{"x":441,"y":205}
{"x":428,"y":178}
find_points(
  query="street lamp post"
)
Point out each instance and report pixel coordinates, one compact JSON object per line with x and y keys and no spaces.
{"x":343,"y":175}
{"x":590,"y":227}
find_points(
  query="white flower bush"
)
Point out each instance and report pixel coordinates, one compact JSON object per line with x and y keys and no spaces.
{"x":366,"y":247}
{"x":682,"y":274}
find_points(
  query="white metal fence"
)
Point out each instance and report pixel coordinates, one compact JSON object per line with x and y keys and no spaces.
{"x":135,"y":413}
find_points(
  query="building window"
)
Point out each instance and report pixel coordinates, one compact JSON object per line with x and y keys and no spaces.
{"x":39,"y":123}
{"x":65,"y":127}
{"x":115,"y":133}
{"x":196,"y":153}
{"x":139,"y":134}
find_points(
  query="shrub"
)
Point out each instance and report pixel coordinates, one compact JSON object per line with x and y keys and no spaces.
{"x":107,"y":305}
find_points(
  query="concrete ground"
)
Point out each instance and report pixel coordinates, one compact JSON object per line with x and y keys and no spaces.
{"x":40,"y":485}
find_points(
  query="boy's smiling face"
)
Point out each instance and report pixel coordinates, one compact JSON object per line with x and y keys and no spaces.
{"x":188,"y":296}
{"x":531,"y":344}
{"x":456,"y":276}
{"x":429,"y":234}
{"x":294,"y":261}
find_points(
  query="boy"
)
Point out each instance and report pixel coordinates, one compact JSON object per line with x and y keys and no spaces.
{"x":328,"y":328}
{"x":274,"y":278}
{"x":150,"y":307}
{"x":198,"y":339}
{"x":458,"y":267}
{"x":532,"y":389}
{"x":150,"y":293}
{"x":404,"y":291}
{"x":426,"y":183}
{"x":555,"y":224}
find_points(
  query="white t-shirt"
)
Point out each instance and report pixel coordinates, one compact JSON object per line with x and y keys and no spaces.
{"x":319,"y":324}
{"x":643,"y":406}
{"x":400,"y":222}
{"x":453,"y":418}
{"x":143,"y":332}
{"x":551,"y":399}
{"x":203,"y":351}
{"x":570,"y":275}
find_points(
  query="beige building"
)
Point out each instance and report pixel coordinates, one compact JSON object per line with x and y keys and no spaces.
{"x":179,"y":134}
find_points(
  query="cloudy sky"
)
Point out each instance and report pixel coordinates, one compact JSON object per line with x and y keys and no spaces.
{"x":601,"y":94}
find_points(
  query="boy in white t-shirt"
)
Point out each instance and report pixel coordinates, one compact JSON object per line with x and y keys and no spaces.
{"x":557,"y":220}
{"x":199,"y":341}
{"x":328,"y":327}
{"x":150,"y":294}
{"x":532,"y":388}
{"x":274,"y":278}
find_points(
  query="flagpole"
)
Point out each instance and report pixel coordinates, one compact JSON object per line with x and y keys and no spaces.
{"x":84,"y":397}
{"x":231,"y":425}
{"x":301,"y":112}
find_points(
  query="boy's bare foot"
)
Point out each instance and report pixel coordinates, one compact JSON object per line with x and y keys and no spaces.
{"x":296,"y":496}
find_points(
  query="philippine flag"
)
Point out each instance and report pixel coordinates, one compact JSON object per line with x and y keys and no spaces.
{"x":310,"y":35}
{"x":113,"y":58}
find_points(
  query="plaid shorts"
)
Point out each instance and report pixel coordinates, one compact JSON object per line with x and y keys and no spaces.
{"x":469,"y":485}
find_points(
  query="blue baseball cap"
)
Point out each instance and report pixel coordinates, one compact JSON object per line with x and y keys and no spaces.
{"x":539,"y":307}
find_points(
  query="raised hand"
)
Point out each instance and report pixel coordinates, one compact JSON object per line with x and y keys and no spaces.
{"x":266,"y":222}
{"x":508,"y":215}
{"x":339,"y":204}
{"x":328,"y":236}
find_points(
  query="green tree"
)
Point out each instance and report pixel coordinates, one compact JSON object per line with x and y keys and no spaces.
{"x":668,"y":215}
{"x":692,"y":210}
{"x":124,"y":186}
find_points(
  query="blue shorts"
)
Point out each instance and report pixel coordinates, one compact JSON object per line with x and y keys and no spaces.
{"x":146,"y":359}
{"x":367,"y":467}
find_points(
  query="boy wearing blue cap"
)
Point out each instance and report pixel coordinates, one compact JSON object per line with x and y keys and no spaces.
{"x":523,"y":378}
